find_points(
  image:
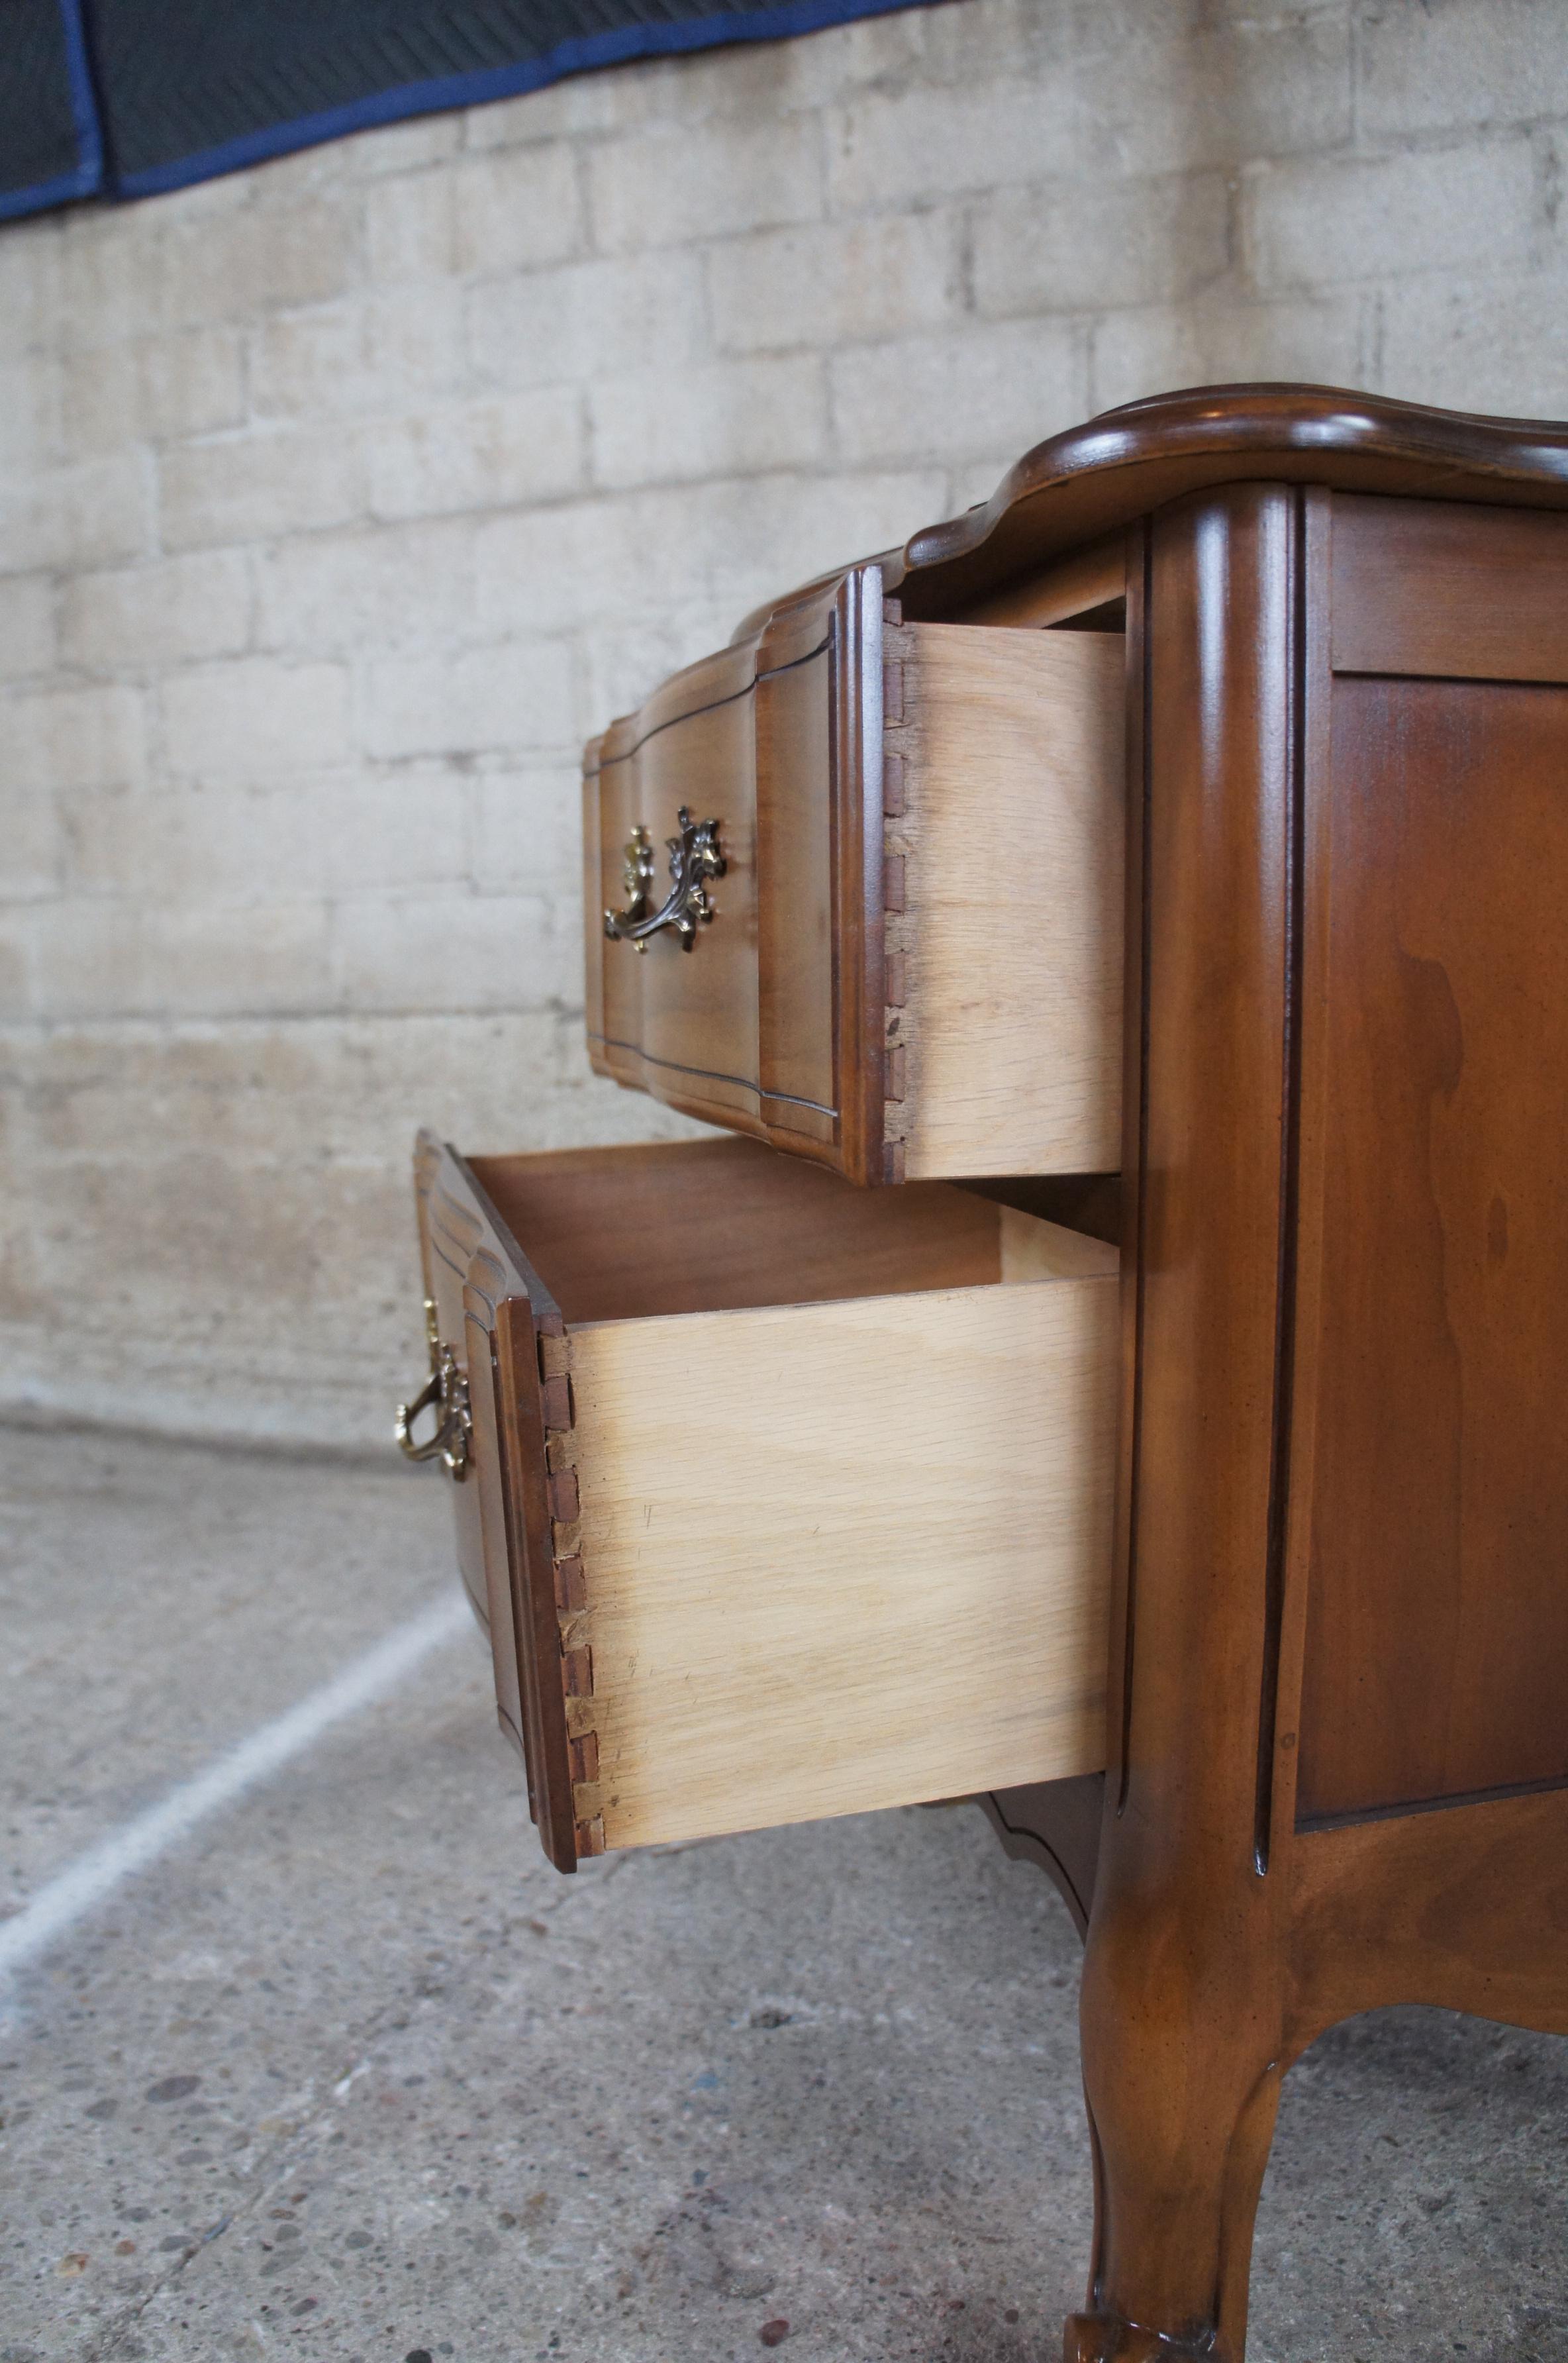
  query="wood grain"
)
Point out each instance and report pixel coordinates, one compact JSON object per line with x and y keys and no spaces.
{"x":1431,"y":588}
{"x":1183,"y":2000}
{"x":1012,"y":838}
{"x":683,"y":1024}
{"x":1090,"y":582}
{"x":708,"y":1226}
{"x":1034,"y":1249}
{"x":844,"y":1556}
{"x":763,"y":1025}
{"x":1437,"y":1636}
{"x":1128,"y":463}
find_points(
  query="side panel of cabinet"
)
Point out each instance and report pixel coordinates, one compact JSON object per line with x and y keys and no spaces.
{"x":1437,"y":1637}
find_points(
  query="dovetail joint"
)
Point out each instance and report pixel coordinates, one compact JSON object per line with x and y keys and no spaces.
{"x":571,"y":1593}
{"x":898,"y":705}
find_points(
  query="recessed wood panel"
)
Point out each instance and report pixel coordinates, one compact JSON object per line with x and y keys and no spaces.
{"x":683,"y":1023}
{"x":1432,"y":587}
{"x":1436,"y":1642}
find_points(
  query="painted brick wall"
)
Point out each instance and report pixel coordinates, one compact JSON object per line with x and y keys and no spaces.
{"x":341,"y":499}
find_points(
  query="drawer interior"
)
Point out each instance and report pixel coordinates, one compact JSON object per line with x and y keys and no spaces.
{"x":716,"y":1225}
{"x":831,"y":1512}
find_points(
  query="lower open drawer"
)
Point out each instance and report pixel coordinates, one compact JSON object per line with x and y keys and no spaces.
{"x":783,"y":1499}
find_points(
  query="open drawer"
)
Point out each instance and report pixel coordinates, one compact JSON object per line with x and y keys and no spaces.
{"x":854,"y":887}
{"x":782,"y":1498}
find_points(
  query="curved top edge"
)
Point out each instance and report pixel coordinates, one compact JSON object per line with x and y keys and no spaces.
{"x":1121,"y":464}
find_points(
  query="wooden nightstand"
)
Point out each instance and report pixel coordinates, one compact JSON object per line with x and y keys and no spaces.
{"x":1197,"y":811}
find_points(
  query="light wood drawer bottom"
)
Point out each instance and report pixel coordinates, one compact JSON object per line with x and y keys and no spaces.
{"x":820,"y":1486}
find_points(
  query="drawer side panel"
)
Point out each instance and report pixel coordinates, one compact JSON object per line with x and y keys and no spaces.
{"x":840,"y":1557}
{"x":1005,"y":1039}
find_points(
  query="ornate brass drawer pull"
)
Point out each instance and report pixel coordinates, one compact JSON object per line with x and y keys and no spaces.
{"x":446,"y":1393}
{"x":694,"y":858}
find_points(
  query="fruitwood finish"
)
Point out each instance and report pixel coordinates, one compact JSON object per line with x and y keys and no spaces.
{"x":1345,"y":1475}
{"x":914,"y":968}
{"x":1336,"y":1737}
{"x":772,"y":1022}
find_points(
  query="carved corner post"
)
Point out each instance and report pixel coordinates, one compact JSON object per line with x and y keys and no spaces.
{"x":1184,"y":1999}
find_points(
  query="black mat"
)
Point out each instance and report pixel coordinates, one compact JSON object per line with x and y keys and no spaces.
{"x":126,"y":97}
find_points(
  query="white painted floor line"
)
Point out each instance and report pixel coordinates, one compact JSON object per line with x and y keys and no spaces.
{"x":83,"y":1884}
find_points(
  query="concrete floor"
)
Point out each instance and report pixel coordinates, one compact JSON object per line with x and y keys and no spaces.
{"x":350,"y":2074}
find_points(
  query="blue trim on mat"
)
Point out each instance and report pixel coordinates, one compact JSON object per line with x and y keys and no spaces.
{"x":84,"y":97}
{"x":44,"y":194}
{"x":87,"y":178}
{"x":429,"y":97}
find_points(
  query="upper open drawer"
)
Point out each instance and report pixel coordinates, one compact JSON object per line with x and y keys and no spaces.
{"x":782,"y":1498}
{"x":854,"y":886}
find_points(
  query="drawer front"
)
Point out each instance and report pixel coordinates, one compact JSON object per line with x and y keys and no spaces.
{"x":912,"y":967}
{"x":474,"y":1277}
{"x":771,"y":1559}
{"x":762,"y":1012}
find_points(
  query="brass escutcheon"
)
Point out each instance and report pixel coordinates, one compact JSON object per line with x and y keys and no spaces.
{"x":446,"y":1393}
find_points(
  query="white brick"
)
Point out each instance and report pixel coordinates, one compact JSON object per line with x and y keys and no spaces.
{"x":106,"y":292}
{"x":518,"y":693}
{"x":981,"y":390}
{"x":403,"y":147}
{"x":625,"y":660}
{"x":528,"y":832}
{"x":516,"y":211}
{"x":1468,"y":63}
{"x":27,"y":626}
{"x":30,"y":282}
{"x":408,"y":829}
{"x":478,"y":455}
{"x":971,"y":484}
{"x":448,"y":952}
{"x":55,"y":739}
{"x":254,"y":258}
{"x":1069,"y":248}
{"x":29,"y":832}
{"x":249,"y":486}
{"x":254,"y":719}
{"x":365,"y":353}
{"x":1164,"y":95}
{"x":684,"y":183}
{"x":617,"y":99}
{"x":835,"y":284}
{"x":381,"y":586}
{"x":972,"y":225}
{"x":187,"y":383}
{"x":1479,"y":343}
{"x":734,"y":417}
{"x":191,"y":383}
{"x":1310,"y":224}
{"x":1304,"y":339}
{"x":410,"y":227}
{"x":586,"y":320}
{"x":906,"y":148}
{"x":102,"y":957}
{"x":753,"y":81}
{"x":96,"y":514}
{"x":726,"y":546}
{"x":240,"y":845}
{"x":29,"y":415}
{"x":160,"y":614}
